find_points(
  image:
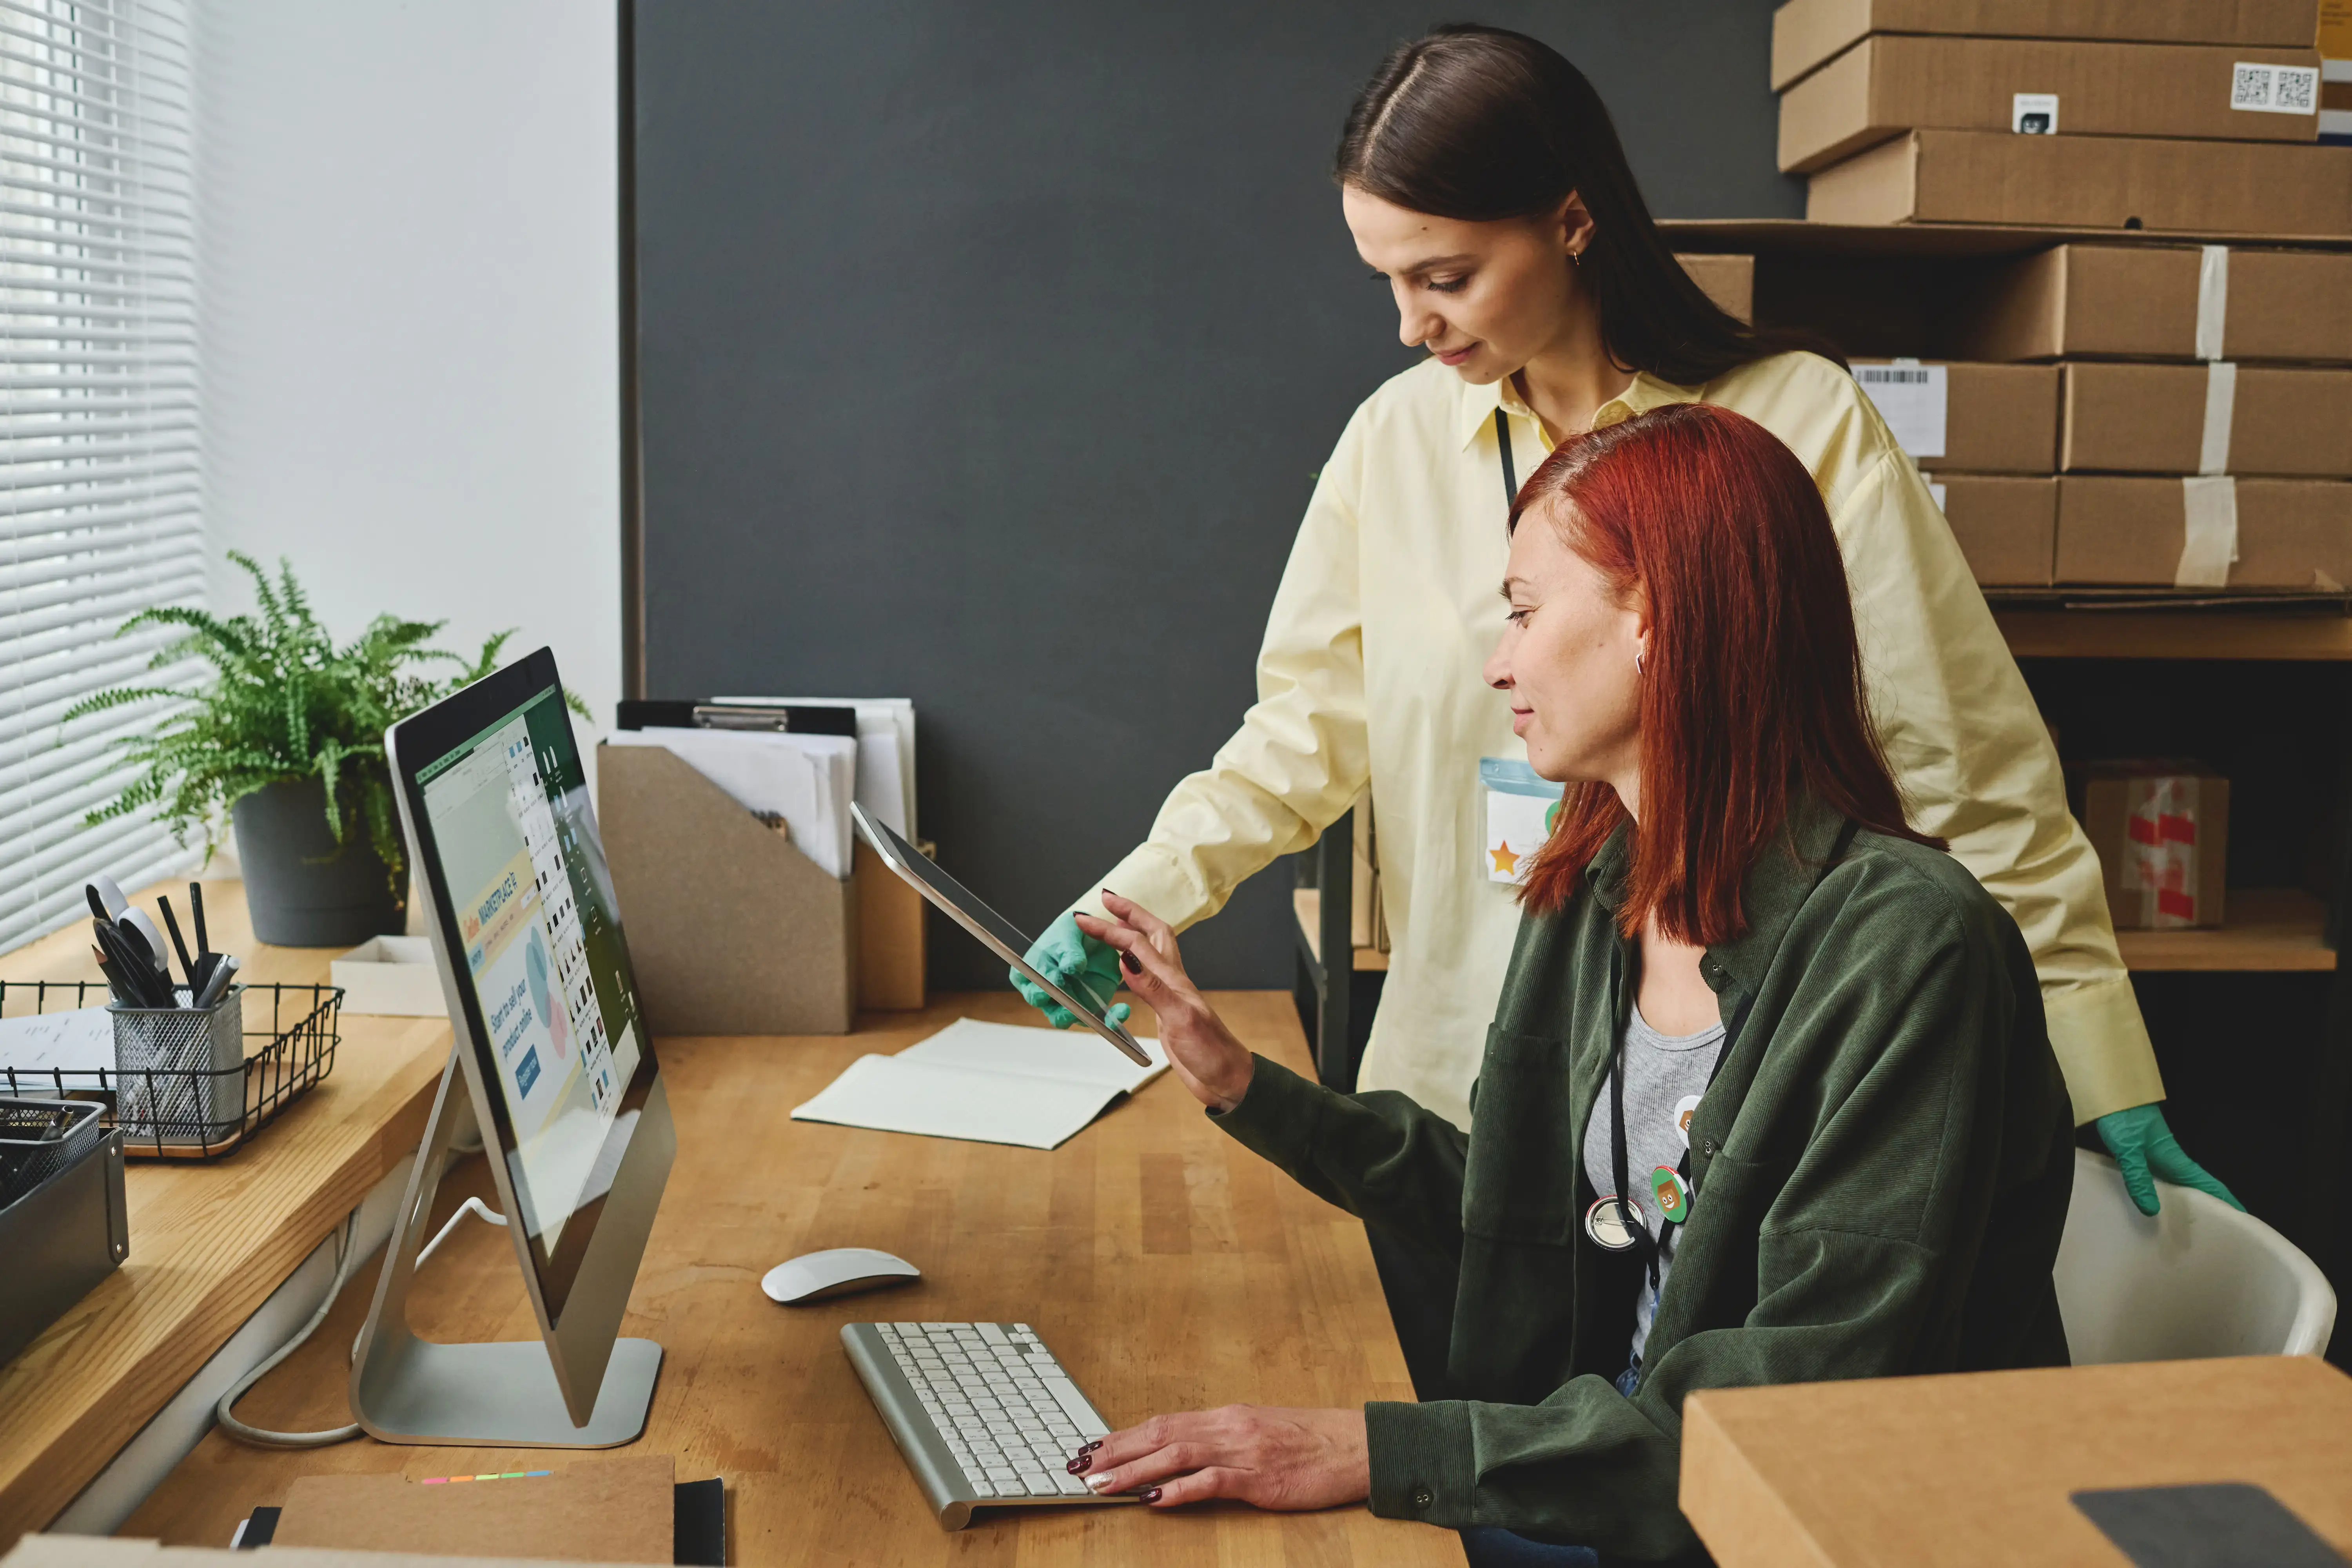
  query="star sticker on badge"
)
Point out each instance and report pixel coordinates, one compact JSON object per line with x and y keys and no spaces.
{"x":1504,"y":861}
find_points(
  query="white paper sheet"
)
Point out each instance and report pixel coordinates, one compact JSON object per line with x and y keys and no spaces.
{"x":80,"y":1040}
{"x":886,"y":751}
{"x":808,"y":780}
{"x":985,"y":1083}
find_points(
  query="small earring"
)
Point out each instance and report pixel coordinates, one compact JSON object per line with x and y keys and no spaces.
{"x":1640,"y":654}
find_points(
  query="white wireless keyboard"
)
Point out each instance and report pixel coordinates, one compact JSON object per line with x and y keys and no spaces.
{"x":983,"y":1414}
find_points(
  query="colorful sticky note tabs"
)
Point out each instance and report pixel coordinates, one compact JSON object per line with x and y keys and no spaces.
{"x":433,"y":1481}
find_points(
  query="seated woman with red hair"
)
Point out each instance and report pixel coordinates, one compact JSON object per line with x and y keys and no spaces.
{"x":1767,"y":1098}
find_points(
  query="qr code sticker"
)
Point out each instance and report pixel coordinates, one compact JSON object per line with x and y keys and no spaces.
{"x":2297,"y":91}
{"x":2250,"y":85}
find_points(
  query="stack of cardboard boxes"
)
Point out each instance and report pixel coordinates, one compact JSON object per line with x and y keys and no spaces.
{"x":2133,"y":414}
{"x":2162,"y":114}
{"x":2140,"y":416}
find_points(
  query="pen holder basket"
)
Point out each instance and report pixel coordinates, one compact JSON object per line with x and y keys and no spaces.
{"x":180,"y":1072}
{"x":39,"y":1138}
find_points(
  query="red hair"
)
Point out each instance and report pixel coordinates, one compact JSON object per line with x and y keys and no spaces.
{"x":1752,"y":694}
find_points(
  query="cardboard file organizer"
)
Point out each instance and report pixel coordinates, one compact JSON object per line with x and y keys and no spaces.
{"x":731,"y":929}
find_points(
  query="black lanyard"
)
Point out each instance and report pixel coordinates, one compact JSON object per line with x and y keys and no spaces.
{"x":1510,"y":472}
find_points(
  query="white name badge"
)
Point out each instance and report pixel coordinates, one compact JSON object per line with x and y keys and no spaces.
{"x":1521,"y":806}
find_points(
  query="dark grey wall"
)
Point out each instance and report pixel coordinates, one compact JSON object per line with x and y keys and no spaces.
{"x":988,"y":352}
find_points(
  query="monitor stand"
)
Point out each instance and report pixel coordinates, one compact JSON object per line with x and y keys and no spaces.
{"x":503,"y":1395}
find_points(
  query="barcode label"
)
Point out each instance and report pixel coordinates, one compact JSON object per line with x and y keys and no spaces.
{"x":1912,"y":398}
{"x":2274,"y":89}
{"x":2033,"y":113}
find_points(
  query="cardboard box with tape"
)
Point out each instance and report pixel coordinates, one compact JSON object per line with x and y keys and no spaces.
{"x":2161,"y":301}
{"x":2006,"y":525}
{"x":2161,"y":829}
{"x":2091,"y":182}
{"x":2126,"y":531}
{"x":1983,"y":418}
{"x":1886,"y":85}
{"x":2215,"y":418}
{"x":1807,"y":34}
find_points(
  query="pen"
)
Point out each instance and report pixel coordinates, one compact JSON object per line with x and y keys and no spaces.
{"x":186,"y":963}
{"x":217,"y":986}
{"x":203,"y":942}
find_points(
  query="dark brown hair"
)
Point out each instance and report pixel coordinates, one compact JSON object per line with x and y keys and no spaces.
{"x":1480,"y":125}
{"x":1753,"y":694}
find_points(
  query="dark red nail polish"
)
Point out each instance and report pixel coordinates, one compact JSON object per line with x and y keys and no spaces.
{"x":1126,"y":960}
{"x":1082,"y":1464}
{"x":1091,"y":1446}
{"x":1151,"y":1496}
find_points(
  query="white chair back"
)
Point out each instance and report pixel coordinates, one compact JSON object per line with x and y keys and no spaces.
{"x":2197,"y":1279}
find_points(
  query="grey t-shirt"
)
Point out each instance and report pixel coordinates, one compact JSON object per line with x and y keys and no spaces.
{"x":1665,"y":1075}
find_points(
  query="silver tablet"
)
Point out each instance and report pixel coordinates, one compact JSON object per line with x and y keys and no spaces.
{"x":962,"y":907}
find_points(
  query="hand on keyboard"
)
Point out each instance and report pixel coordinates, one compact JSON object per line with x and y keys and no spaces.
{"x":1208,"y":1060}
{"x":1258,"y":1454}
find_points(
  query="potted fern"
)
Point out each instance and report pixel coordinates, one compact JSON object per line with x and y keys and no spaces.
{"x":286,"y":742}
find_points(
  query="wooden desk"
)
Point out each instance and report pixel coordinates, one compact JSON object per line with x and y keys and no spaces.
{"x":1168,"y":1267}
{"x":208,"y":1243}
{"x":1979,"y":1468}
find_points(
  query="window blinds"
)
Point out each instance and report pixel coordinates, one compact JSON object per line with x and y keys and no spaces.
{"x":98,"y":477}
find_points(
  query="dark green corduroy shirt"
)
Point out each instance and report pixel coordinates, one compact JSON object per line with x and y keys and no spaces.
{"x":1881,"y":1170}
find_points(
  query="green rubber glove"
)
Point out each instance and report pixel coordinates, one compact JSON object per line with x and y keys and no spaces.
{"x":2144,"y":1147}
{"x":1078,"y":964}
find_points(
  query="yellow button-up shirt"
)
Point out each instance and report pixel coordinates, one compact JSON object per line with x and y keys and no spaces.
{"x":1371,"y":672}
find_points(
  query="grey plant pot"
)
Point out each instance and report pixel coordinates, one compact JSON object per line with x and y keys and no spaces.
{"x":303,"y":889}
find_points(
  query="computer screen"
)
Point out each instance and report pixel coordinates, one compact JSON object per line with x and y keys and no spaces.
{"x":532,"y":927}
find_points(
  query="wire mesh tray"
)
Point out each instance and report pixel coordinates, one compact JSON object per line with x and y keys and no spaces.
{"x":181,"y":1112}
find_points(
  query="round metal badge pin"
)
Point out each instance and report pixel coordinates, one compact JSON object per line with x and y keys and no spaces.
{"x":1610,"y":1223}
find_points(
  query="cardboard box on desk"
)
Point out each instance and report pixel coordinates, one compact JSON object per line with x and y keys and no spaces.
{"x":2090,"y":182}
{"x":2127,"y":531}
{"x":731,"y":929}
{"x":2195,"y":418}
{"x":2146,"y":301}
{"x":2161,"y":828}
{"x":1885,"y":86}
{"x":1808,"y":32}
{"x":2006,"y":525}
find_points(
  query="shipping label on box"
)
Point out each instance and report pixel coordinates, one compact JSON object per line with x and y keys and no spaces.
{"x":1914,"y":399}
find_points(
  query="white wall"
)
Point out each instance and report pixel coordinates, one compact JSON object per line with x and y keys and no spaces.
{"x":407,"y":244}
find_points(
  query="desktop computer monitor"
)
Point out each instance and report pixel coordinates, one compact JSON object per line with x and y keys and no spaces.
{"x":552,"y":1054}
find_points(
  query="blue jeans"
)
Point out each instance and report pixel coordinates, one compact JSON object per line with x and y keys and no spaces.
{"x":1488,"y":1547}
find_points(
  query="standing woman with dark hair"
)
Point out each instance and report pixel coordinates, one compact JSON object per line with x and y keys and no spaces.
{"x":1480,"y":175}
{"x":1766,"y":1097}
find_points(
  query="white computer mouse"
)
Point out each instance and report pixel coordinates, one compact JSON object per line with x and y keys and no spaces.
{"x":842,"y":1271}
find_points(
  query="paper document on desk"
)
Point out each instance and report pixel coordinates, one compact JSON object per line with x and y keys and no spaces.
{"x":80,"y":1039}
{"x":807,"y":779}
{"x":987,"y":1083}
